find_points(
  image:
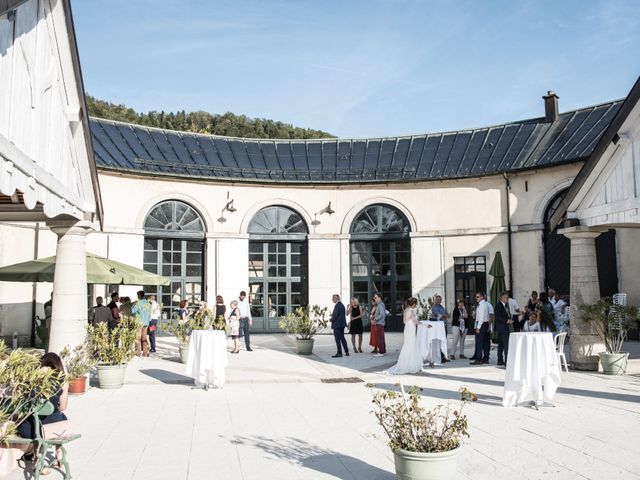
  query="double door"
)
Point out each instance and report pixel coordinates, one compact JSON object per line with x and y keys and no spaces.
{"x":277,"y":281}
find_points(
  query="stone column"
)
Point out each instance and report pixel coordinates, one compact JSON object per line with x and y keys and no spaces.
{"x":69,"y":309}
{"x":585,"y":288}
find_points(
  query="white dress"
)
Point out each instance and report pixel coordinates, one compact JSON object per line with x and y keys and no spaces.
{"x":410,"y":360}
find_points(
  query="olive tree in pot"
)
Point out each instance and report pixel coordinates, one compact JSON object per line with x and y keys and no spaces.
{"x":112,"y":349}
{"x":182,"y":331}
{"x":304,"y":323}
{"x":78,"y":362}
{"x":24,"y":387}
{"x":612,"y":324}
{"x":425,"y":443}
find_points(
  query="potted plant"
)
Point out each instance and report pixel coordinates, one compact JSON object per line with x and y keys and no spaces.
{"x":425,"y":443}
{"x":24,"y":386}
{"x":304,"y":323}
{"x":112,"y":349}
{"x":78,"y":362}
{"x":181,"y":330}
{"x":612,"y":324}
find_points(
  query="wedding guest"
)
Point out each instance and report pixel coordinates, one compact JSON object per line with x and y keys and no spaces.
{"x":410,"y":358}
{"x":100,"y":313}
{"x":153,"y":323}
{"x":559,"y":306}
{"x":355,"y":324}
{"x":459,"y":329}
{"x":483,"y":342}
{"x":373,"y":340}
{"x":530,"y":308}
{"x":532,"y":324}
{"x":504,"y":320}
{"x":439,"y":313}
{"x":234,"y":324}
{"x":514,"y":309}
{"x":183,"y":311}
{"x":338,"y":322}
{"x":545,"y":305}
{"x":221,"y":308}
{"x":142,"y":310}
{"x":125,"y":307}
{"x":380,"y":317}
{"x":115,"y":310}
{"x":546,"y":323}
{"x":245,"y":319}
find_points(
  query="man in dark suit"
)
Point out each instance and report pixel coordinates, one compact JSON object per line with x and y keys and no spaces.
{"x":338,"y":324}
{"x":504,"y":320}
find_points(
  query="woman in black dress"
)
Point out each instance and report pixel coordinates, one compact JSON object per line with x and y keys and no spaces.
{"x":221,"y":308}
{"x":355,"y":324}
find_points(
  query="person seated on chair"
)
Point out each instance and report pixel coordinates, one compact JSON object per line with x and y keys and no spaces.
{"x":59,"y":401}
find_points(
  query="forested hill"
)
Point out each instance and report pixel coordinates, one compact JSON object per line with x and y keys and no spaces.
{"x":202,"y":122}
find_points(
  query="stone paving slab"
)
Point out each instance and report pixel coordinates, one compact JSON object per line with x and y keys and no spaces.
{"x":275,"y":418}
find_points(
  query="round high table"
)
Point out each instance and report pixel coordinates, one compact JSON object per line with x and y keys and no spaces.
{"x":432,"y":341}
{"x":533,"y":369}
{"x":208,"y":357}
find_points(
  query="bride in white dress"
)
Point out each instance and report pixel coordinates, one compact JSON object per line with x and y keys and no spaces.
{"x":410,"y":359}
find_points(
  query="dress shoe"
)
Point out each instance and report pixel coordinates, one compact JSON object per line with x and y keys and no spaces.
{"x":477,"y":362}
{"x":347,"y":354}
{"x":462,"y":357}
{"x":452,"y":357}
{"x":249,"y":349}
{"x":500,"y":363}
{"x":337,"y":355}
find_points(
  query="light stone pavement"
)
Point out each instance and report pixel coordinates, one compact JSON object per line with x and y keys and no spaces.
{"x":276,"y":419}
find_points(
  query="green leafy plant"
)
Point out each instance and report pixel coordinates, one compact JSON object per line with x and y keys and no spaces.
{"x":77,"y":361}
{"x":24,"y":386}
{"x":181,"y":330}
{"x":611,"y":322}
{"x":114,"y":346}
{"x":424,"y":307}
{"x":305,"y":322}
{"x":410,"y":426}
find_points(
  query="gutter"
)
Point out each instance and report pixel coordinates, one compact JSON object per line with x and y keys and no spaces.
{"x":507,"y":188}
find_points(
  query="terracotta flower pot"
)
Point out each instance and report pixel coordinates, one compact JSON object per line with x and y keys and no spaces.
{"x":78,"y":385}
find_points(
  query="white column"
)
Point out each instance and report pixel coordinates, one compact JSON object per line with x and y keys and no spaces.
{"x":585,"y":289}
{"x":325,"y":270}
{"x":69,"y":309}
{"x":232,"y":271}
{"x":427,"y":275}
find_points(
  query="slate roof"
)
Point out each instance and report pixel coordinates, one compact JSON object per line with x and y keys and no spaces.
{"x":510,"y":147}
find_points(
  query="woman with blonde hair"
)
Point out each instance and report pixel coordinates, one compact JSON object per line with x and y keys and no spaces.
{"x":234,"y":325}
{"x":355,"y":323}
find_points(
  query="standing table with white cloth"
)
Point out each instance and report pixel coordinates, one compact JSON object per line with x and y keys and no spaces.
{"x":533,"y":369}
{"x":208,"y":357}
{"x":432,"y":341}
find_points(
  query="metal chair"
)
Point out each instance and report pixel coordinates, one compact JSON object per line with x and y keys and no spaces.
{"x":559,"y":341}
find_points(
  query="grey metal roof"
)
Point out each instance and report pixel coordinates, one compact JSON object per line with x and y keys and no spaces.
{"x":510,"y":147}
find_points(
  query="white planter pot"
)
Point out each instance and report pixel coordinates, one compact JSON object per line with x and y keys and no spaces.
{"x":614,"y":363}
{"x":304,"y":347}
{"x":184,"y":353}
{"x":111,"y":376}
{"x":426,"y":466}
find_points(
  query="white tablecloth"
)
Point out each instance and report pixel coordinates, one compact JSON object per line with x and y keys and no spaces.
{"x":208,"y":357}
{"x":428,"y":339}
{"x":533,"y":370}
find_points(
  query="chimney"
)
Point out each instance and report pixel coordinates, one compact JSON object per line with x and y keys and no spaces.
{"x":550,"y":107}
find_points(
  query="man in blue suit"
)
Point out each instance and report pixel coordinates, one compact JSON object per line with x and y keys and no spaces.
{"x":338,"y":324}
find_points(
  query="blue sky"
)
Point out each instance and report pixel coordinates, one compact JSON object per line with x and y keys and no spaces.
{"x":359,"y":68}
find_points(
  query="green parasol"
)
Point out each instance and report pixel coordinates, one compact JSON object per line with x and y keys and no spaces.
{"x":100,"y":270}
{"x":498,"y":285}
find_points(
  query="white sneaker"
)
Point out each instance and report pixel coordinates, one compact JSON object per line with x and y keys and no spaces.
{"x":379,"y":354}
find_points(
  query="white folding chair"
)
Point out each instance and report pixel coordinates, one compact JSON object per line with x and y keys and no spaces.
{"x":559,"y":341}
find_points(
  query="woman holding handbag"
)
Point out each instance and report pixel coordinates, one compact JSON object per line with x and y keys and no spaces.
{"x":234,"y":325}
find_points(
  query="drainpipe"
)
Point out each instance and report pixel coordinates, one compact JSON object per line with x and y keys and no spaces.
{"x":34,"y":287}
{"x":507,"y":187}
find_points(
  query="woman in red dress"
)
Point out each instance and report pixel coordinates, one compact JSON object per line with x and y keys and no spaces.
{"x":373,"y":341}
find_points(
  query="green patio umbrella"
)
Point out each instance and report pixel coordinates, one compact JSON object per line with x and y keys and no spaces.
{"x":498,"y":285}
{"x":100,"y":270}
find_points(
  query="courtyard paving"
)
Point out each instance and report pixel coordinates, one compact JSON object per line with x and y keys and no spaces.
{"x":275,"y":418}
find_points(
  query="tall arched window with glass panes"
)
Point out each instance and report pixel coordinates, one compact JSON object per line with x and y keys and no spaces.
{"x":381,"y":259}
{"x":277,"y":265}
{"x":174,"y":247}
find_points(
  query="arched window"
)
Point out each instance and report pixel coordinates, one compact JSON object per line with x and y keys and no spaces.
{"x":174,"y":247}
{"x":381,"y":258}
{"x":277,"y":265}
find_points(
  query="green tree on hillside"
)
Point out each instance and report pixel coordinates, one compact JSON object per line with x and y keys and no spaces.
{"x":228,"y":124}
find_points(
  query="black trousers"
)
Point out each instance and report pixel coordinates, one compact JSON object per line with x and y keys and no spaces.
{"x":338,"y":334}
{"x":483,"y":343}
{"x":516,"y":323}
{"x":503,"y":345}
{"x":244,"y":331}
{"x":152,"y":334}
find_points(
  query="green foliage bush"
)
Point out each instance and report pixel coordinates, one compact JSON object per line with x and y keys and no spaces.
{"x":78,"y":361}
{"x":228,"y":124}
{"x":114,"y":346}
{"x":305,"y":322}
{"x":611,"y":322}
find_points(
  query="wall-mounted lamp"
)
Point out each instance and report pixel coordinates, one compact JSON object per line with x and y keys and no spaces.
{"x":326,"y":209}
{"x":227,"y":208}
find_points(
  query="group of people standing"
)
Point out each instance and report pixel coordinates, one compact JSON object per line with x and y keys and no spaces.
{"x":355,"y":312}
{"x":146,"y":310}
{"x":239,"y":319}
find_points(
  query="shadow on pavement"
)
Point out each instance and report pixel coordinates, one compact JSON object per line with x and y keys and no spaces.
{"x":492,"y":400}
{"x":165,"y":376}
{"x":308,"y":455}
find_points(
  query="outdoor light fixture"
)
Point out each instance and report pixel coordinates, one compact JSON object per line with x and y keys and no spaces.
{"x":227,"y":208}
{"x":326,"y":209}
